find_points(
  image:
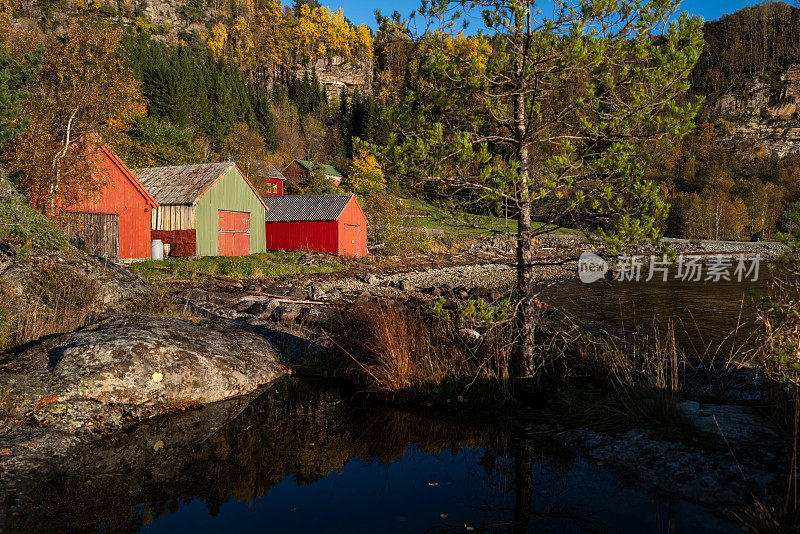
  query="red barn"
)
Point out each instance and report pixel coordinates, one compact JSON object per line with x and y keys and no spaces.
{"x":274,"y":181}
{"x":267,"y":178}
{"x":319,"y":223}
{"x":116,"y":222}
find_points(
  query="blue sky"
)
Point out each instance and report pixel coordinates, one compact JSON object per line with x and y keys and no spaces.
{"x":361,"y":11}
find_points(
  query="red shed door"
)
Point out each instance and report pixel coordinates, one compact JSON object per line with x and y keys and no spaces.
{"x":234,"y":233}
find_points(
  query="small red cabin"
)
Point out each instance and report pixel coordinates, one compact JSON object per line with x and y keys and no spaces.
{"x":275,"y":179}
{"x":321,"y":223}
{"x":267,"y":178}
{"x":299,"y":171}
{"x":115,"y":223}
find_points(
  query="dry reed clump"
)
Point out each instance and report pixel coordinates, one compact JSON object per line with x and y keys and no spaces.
{"x":779,"y":356}
{"x":396,"y":349}
{"x":61,"y":300}
{"x":161,"y":302}
{"x":614,"y":384}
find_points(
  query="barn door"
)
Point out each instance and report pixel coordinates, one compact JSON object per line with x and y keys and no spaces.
{"x":352,"y":240}
{"x":234,"y":233}
{"x":95,"y":233}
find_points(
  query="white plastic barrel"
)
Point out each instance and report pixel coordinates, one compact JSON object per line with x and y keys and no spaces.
{"x":156,"y":250}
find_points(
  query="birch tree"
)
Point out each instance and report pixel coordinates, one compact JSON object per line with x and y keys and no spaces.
{"x":548,"y":113}
{"x":85,"y":86}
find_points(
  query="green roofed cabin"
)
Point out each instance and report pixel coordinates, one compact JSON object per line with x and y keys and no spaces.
{"x":209,"y":209}
{"x":299,"y":171}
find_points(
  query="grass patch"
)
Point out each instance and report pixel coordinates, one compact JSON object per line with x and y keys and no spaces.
{"x":273,"y":264}
{"x":161,"y":303}
{"x":63,"y":300}
{"x":442,"y":221}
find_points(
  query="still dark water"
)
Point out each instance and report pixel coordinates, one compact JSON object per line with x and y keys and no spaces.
{"x":708,"y":318}
{"x":306,"y":457}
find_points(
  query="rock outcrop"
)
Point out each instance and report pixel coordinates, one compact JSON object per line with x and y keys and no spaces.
{"x":336,"y":73}
{"x":137,"y":359}
{"x":765,"y":112}
{"x":81,"y":386}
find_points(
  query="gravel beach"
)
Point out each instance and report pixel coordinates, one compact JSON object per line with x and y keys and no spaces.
{"x":493,"y":276}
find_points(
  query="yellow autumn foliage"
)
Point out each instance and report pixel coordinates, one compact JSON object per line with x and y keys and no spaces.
{"x":266,"y":32}
{"x":366,"y":175}
{"x":85,"y":85}
{"x":5,"y":19}
{"x":215,"y":37}
{"x":243,"y":45}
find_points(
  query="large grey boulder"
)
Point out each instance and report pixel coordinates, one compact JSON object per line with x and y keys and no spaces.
{"x":137,"y":359}
{"x":291,"y":292}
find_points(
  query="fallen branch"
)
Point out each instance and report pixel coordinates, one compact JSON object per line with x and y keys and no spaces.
{"x":278,"y":298}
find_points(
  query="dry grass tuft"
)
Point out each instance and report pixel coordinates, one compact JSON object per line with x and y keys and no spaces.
{"x":398,"y":349}
{"x":63,"y":301}
{"x":766,"y":519}
{"x":160,"y":301}
{"x":614,"y":384}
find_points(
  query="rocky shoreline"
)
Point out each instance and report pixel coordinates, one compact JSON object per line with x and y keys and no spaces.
{"x":75,"y":389}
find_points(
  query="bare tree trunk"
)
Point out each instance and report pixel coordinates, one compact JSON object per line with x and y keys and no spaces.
{"x":56,"y":166}
{"x":523,"y":362}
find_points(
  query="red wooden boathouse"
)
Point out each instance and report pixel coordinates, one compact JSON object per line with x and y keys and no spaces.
{"x":116,"y":222}
{"x":321,"y":223}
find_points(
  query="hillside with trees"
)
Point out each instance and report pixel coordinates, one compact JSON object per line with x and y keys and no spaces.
{"x":158,"y":104}
{"x":738,"y":173}
{"x":203,"y":80}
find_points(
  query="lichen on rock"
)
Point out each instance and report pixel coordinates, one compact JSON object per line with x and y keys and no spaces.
{"x":136,"y":359}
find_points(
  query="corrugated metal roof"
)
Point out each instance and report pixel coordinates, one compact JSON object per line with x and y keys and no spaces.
{"x":306,"y":207}
{"x":181,"y":184}
{"x":327,"y":169}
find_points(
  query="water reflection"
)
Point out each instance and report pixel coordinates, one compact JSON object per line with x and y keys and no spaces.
{"x":305,"y":457}
{"x":709,"y":318}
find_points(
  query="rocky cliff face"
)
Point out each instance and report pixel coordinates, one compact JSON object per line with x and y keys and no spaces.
{"x":766,"y":113}
{"x":336,"y":73}
{"x":173,"y":21}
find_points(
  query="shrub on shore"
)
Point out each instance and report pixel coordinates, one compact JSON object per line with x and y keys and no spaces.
{"x":22,"y":226}
{"x":402,"y":351}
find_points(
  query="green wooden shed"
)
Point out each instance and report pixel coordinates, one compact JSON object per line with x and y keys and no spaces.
{"x":209,"y":209}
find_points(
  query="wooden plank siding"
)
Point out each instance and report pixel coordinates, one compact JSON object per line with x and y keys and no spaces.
{"x":173,"y":217}
{"x":230,"y":193}
{"x":95,"y":233}
{"x":314,"y":236}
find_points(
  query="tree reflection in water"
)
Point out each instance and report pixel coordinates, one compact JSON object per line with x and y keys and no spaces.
{"x":288,"y":445}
